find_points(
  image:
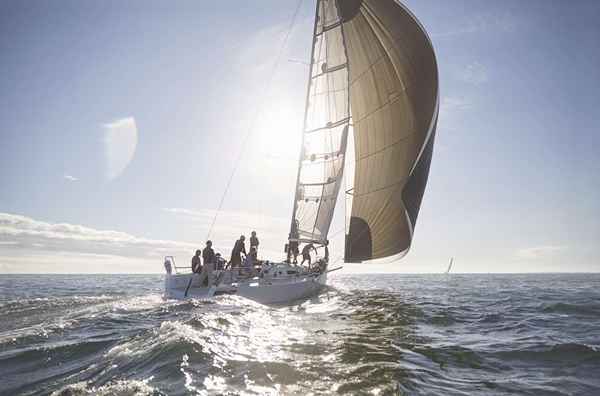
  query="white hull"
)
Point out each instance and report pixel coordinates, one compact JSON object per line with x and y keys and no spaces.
{"x":262,"y":290}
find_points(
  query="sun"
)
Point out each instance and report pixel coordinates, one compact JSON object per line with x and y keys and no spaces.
{"x":278,"y":131}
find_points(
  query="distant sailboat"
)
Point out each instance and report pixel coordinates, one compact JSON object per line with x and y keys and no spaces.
{"x":373,"y":76}
{"x":450,"y":265}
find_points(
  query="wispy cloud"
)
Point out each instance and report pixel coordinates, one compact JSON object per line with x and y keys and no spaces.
{"x":540,"y":252}
{"x":27,"y":234}
{"x":481,"y":23}
{"x":70,"y":177}
{"x":451,"y":109}
{"x":451,"y":104}
{"x":474,"y":73}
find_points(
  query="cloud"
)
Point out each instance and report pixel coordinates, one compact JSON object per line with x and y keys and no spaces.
{"x":474,"y":73}
{"x":451,"y":108}
{"x":69,"y":177}
{"x":120,"y":142}
{"x":35,"y":262}
{"x":452,"y":104}
{"x":34,"y":246}
{"x":481,"y":23}
{"x":26,"y":235}
{"x":540,"y":252}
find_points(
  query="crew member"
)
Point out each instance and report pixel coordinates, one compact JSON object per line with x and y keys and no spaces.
{"x":238,"y":249}
{"x":220,"y":261}
{"x":250,"y":261}
{"x":168,"y":266}
{"x":196,"y":263}
{"x":306,"y":253}
{"x":208,"y":257}
{"x":293,"y":243}
{"x":254,"y":241}
{"x":208,"y":254}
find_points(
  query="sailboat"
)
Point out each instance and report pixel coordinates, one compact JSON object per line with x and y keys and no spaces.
{"x":371,"y":111}
{"x":450,"y":265}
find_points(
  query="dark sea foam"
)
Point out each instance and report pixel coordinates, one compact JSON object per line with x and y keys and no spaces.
{"x":368,"y":334}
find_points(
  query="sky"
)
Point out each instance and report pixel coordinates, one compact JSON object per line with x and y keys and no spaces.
{"x":121,"y":122}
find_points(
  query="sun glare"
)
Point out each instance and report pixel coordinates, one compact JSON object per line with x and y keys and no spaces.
{"x":279,"y":131}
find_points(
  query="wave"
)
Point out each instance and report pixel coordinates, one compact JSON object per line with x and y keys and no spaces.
{"x":576,"y":309}
{"x":563,"y":353}
{"x":402,"y":337}
{"x":118,"y":388}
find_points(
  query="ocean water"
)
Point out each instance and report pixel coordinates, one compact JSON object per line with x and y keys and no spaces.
{"x":367,"y":334}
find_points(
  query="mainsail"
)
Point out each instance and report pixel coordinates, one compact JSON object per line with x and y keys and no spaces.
{"x":326,"y":123}
{"x":373,"y":69}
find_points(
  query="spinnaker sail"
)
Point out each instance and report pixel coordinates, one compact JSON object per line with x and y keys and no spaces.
{"x":395,"y":100}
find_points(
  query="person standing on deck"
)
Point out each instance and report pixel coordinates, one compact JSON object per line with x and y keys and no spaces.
{"x":254,"y":242}
{"x":168,"y":266}
{"x":238,"y":249}
{"x":306,"y":253}
{"x":208,"y":256}
{"x":250,"y":261}
{"x":293,"y":243}
{"x":196,"y":263}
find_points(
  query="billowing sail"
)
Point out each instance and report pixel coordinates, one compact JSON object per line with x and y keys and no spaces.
{"x":325,"y":131}
{"x":394,"y":100}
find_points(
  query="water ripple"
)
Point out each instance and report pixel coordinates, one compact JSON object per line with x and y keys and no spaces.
{"x":367,"y":334}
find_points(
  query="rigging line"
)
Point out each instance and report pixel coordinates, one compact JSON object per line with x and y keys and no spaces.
{"x":256,"y":115}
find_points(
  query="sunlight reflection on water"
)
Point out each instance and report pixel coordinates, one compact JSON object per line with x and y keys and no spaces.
{"x":367,"y":335}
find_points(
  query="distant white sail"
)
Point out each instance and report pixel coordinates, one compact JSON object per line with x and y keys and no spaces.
{"x":450,"y":265}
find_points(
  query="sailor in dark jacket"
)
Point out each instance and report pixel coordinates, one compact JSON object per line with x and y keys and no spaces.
{"x":254,"y":241}
{"x":306,"y":253}
{"x":196,"y":263}
{"x":238,"y":249}
{"x":208,"y":254}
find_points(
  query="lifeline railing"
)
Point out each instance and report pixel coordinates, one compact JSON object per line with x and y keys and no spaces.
{"x":177,"y":270}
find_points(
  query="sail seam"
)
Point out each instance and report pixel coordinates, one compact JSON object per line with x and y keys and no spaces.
{"x":366,"y":156}
{"x":380,"y":189}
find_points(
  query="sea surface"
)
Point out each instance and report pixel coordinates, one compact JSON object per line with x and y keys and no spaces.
{"x":368,"y":334}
